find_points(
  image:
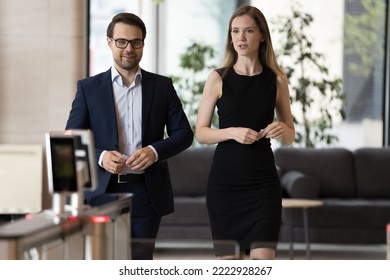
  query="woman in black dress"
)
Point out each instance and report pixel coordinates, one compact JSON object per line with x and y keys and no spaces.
{"x":243,"y":192}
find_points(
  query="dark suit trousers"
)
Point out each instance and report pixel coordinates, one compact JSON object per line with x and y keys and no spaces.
{"x":144,"y":220}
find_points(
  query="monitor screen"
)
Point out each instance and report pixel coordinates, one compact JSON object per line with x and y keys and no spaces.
{"x":61,"y":163}
{"x":71,"y":161}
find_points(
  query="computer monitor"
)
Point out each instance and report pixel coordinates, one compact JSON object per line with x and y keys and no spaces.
{"x":71,"y":161}
{"x":61,"y":163}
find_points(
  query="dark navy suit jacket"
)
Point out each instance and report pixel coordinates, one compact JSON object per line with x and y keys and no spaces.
{"x":93,"y":108}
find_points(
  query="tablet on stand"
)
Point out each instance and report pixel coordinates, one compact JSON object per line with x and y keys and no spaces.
{"x":71,"y":168}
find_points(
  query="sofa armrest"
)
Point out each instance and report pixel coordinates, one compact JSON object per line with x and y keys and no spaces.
{"x":279,"y":170}
{"x":298,"y":185}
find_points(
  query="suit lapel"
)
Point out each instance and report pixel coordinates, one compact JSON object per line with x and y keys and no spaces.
{"x":147,"y":98}
{"x":107,"y":101}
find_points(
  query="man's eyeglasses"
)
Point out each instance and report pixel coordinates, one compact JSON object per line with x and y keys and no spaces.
{"x":122,"y":43}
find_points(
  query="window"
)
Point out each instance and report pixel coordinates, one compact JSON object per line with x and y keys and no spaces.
{"x":350,"y":34}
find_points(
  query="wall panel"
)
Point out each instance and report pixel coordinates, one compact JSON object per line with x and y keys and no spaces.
{"x":43,"y":54}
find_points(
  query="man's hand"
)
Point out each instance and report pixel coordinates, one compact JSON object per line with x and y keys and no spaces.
{"x":141,"y":159}
{"x":112,"y":162}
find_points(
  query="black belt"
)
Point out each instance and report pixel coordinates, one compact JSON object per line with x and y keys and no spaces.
{"x":130,"y":178}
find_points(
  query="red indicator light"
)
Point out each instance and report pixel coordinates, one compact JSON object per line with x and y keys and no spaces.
{"x":29,"y":216}
{"x":72,"y":219}
{"x":388,"y":227}
{"x":100,"y":219}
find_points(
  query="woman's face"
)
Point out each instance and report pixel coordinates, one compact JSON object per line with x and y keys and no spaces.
{"x":246,"y":36}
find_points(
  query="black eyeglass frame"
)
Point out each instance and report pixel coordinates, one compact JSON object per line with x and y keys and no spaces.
{"x":131,"y":42}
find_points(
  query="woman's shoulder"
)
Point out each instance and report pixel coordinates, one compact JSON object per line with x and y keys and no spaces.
{"x":222,"y":71}
{"x":216,"y":74}
{"x":213,"y":83}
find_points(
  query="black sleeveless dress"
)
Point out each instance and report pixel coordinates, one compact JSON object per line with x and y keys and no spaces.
{"x":243,"y":192}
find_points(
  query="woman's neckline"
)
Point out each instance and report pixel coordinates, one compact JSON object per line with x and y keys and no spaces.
{"x":249,"y":75}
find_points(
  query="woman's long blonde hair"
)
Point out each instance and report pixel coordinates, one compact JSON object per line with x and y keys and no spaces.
{"x":266,"y":52}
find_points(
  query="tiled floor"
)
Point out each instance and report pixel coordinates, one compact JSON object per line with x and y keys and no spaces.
{"x":203,"y":250}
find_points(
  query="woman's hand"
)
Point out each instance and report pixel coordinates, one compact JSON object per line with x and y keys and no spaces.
{"x":244,"y":135}
{"x":274,"y":130}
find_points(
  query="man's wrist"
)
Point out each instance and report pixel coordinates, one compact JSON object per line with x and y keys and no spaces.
{"x":100,"y":161}
{"x":154,"y":151}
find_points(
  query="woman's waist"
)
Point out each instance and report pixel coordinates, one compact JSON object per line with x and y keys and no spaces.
{"x":242,"y":157}
{"x":259,"y":149}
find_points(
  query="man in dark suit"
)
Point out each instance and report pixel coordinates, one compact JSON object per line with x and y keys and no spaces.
{"x":128,"y":110}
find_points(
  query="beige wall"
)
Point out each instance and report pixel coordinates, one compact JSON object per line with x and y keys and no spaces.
{"x":42,"y":55}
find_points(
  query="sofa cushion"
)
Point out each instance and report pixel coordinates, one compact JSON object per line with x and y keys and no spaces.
{"x":190,"y":220}
{"x":372,"y":167}
{"x":298,"y":185}
{"x":188,"y":211}
{"x":333,"y":168}
{"x":189,"y":171}
{"x":340,"y":221}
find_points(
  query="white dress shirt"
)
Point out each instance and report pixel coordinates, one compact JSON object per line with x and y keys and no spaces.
{"x":128,"y":109}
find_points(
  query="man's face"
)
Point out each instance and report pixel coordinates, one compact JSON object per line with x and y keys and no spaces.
{"x":128,"y":58}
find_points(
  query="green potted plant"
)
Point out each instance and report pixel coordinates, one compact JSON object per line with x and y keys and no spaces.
{"x":316,"y":98}
{"x":195,"y":63}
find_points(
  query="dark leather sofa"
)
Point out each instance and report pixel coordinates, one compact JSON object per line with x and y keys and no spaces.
{"x":189,"y":172}
{"x":354,"y":186}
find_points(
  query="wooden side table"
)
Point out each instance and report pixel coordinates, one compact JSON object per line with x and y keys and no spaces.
{"x":303,"y":204}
